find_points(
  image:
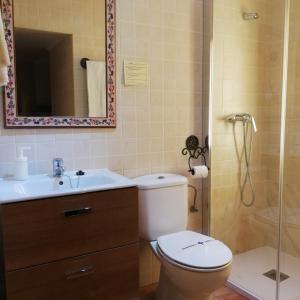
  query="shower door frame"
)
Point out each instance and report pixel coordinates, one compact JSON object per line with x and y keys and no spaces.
{"x":284,"y":87}
{"x":207,"y":122}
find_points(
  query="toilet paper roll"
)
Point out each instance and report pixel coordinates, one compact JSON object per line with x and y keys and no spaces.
{"x":200,"y":171}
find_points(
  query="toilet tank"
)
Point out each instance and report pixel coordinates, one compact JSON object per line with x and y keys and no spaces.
{"x":163,"y":204}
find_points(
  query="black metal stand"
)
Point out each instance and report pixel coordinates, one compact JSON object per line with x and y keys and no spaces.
{"x":194,"y":150}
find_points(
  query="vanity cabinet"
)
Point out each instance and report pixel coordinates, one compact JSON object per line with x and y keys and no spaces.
{"x":83,"y":246}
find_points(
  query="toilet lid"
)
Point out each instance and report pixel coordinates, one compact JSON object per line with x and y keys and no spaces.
{"x":195,"y":250}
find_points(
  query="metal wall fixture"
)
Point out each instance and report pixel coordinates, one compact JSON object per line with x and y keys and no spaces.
{"x":249,"y":127}
{"x":243,"y":117}
{"x":194,"y":150}
{"x":250,"y":16}
{"x":83,"y":62}
{"x":194,"y":207}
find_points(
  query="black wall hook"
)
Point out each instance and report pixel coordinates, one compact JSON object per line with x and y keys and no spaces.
{"x":194,"y":150}
{"x":83,"y":62}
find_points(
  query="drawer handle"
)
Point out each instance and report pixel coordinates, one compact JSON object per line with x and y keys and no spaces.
{"x":77,"y":212}
{"x":85,"y":271}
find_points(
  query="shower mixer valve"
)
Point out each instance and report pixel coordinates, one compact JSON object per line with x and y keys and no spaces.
{"x":245,"y":117}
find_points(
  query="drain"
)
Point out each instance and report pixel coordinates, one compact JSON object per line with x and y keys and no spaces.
{"x":272,"y":275}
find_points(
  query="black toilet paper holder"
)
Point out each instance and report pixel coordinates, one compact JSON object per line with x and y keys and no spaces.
{"x":194,"y":150}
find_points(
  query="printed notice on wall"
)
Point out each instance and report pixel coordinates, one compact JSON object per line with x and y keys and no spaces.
{"x":136,"y":73}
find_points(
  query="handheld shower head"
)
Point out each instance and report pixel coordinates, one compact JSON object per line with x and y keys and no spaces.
{"x":248,"y":130}
{"x":253,"y":124}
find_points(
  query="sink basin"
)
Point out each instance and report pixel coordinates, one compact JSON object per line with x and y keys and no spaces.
{"x":89,"y":180}
{"x":45,"y":186}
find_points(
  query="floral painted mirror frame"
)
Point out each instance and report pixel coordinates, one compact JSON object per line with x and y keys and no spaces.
{"x":12,"y":120}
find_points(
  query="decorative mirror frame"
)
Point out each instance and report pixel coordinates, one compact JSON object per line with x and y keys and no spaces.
{"x":12,"y":120}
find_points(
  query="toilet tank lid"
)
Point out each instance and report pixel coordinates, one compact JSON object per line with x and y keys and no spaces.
{"x":155,"y":181}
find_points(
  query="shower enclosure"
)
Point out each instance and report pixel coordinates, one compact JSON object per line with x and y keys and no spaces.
{"x":252,"y":56}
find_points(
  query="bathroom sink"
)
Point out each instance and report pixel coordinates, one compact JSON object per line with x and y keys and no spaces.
{"x":39,"y":185}
{"x":45,"y":186}
{"x":90,"y":180}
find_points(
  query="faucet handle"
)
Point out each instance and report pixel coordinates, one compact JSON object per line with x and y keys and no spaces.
{"x":58,"y":167}
{"x":80,"y":173}
{"x":58,"y":162}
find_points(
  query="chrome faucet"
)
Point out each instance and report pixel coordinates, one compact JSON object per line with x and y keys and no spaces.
{"x":58,"y":167}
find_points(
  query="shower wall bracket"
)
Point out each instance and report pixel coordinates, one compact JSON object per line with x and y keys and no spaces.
{"x":194,"y":150}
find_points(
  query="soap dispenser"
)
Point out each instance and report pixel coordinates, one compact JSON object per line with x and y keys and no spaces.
{"x":21,"y":164}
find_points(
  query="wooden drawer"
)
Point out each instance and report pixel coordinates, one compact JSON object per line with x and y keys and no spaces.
{"x":107,"y":275}
{"x":46,"y":230}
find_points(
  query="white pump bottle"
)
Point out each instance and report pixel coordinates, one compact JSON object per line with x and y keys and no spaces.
{"x":21,"y":164}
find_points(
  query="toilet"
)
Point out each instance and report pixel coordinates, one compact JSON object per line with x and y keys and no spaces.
{"x":193,"y":265}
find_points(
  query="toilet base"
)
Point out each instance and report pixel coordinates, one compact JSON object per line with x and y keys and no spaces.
{"x":167,"y":291}
{"x":178,"y":283}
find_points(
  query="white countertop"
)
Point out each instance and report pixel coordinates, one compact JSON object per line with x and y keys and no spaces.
{"x":46,"y":186}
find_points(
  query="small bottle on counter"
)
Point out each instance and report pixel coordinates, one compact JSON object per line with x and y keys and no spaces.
{"x":21,"y":164}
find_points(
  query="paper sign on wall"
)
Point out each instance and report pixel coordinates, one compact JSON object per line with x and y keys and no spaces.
{"x":136,"y":73}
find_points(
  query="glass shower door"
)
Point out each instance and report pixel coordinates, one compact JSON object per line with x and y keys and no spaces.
{"x":247,"y":68}
{"x":289,"y":288}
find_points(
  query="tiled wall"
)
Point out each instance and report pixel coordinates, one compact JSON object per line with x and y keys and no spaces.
{"x":152,"y":122}
{"x":167,"y":34}
{"x":247,"y":78}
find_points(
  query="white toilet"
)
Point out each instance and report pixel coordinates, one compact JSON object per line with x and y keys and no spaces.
{"x":192,"y":265}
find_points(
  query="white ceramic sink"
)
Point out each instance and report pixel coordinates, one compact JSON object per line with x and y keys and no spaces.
{"x":45,"y":186}
{"x":90,"y":180}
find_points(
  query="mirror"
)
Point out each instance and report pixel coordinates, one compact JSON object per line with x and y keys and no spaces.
{"x":63,"y":63}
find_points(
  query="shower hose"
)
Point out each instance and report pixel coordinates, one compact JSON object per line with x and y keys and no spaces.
{"x":247,"y":153}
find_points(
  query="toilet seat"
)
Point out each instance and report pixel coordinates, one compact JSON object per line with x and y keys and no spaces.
{"x":195,"y":251}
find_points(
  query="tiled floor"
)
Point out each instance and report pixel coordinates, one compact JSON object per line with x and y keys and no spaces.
{"x":226,"y":293}
{"x":148,"y":293}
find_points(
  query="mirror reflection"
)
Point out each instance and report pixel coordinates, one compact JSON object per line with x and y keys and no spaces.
{"x":52,"y":38}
